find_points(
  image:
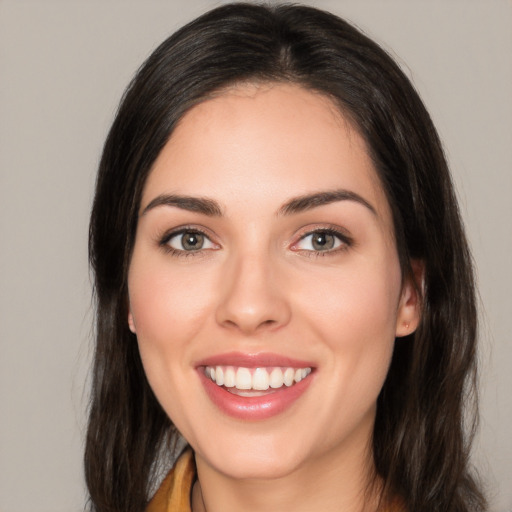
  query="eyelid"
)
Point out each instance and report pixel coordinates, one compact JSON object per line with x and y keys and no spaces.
{"x":341,"y":235}
{"x":163,"y":240}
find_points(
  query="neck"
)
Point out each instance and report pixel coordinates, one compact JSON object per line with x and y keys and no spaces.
{"x":336,"y":481}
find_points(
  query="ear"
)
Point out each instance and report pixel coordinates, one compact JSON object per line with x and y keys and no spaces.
{"x":411,"y":300}
{"x":131,"y":323}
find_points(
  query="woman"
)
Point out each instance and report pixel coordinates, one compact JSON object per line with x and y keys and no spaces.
{"x":282,"y":277}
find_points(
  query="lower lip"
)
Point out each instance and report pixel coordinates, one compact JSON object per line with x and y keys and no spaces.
{"x":253,"y":407}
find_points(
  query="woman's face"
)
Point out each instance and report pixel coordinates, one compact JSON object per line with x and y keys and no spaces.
{"x":265,"y":288}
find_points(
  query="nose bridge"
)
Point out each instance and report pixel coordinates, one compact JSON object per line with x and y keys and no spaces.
{"x":251,"y":298}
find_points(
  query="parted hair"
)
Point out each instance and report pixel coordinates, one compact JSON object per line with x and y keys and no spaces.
{"x":427,"y":409}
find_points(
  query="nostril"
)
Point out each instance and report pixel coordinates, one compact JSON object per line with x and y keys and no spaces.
{"x":249,"y":326}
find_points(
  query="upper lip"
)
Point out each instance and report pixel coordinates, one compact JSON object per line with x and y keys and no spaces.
{"x":259,"y":360}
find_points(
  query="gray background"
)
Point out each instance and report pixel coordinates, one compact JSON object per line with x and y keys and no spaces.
{"x":63,"y":67}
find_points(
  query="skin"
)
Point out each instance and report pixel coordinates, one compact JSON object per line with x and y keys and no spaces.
{"x":258,"y":285}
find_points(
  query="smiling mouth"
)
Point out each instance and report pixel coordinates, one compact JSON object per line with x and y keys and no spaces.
{"x":249,"y":382}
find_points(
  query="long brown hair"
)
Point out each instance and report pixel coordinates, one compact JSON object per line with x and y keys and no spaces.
{"x":426,"y":410}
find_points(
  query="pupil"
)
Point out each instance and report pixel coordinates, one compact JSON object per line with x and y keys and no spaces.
{"x":323,"y":241}
{"x":192,"y":241}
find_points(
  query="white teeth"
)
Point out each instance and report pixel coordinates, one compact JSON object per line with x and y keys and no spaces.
{"x":301,"y":373}
{"x":229,"y":378}
{"x":259,"y":379}
{"x":289,"y":375}
{"x":276,"y":378}
{"x":219,"y":376}
{"x":243,"y":379}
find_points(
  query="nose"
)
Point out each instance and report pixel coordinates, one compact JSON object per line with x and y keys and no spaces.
{"x":253,"y":296}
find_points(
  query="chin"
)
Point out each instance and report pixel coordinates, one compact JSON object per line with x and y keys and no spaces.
{"x":262,"y":459}
{"x":259,"y":467}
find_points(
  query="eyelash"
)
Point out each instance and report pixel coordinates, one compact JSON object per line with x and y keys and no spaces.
{"x":345,"y":242}
{"x":165,"y":239}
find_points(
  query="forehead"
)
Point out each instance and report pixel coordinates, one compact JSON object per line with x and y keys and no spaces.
{"x":268,"y":140}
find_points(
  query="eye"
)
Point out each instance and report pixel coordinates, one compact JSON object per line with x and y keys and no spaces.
{"x":189,"y":241}
{"x":321,"y":241}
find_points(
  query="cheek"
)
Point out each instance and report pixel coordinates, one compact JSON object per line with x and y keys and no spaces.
{"x":168,"y":309}
{"x":355,"y":313}
{"x":361,"y":299}
{"x":167,"y":304}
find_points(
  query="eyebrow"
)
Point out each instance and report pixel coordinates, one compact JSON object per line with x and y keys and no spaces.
{"x":192,"y":204}
{"x":310,"y":201}
{"x":299,"y":204}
